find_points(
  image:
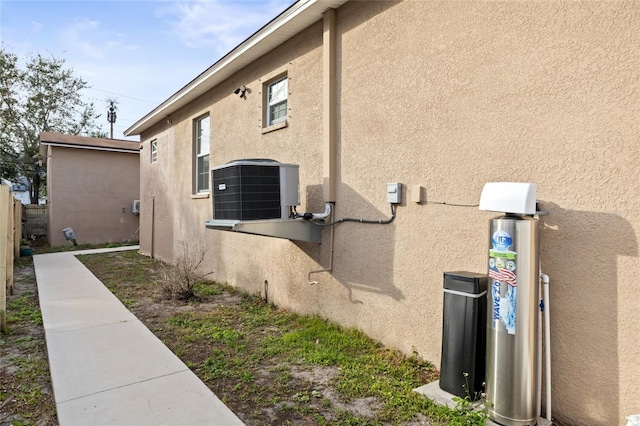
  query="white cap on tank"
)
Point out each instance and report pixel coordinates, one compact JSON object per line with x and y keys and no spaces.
{"x":509,"y":197}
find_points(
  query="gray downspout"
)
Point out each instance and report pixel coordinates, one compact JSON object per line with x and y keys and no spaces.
{"x":329,"y":105}
{"x":328,"y":124}
{"x":153,"y":224}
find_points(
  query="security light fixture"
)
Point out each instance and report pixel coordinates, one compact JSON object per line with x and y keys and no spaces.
{"x":241,"y":91}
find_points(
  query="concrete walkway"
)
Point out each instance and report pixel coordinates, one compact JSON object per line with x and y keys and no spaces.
{"x":106,"y":367}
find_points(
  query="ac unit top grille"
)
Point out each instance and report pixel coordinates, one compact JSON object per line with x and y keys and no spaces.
{"x":252,"y":190}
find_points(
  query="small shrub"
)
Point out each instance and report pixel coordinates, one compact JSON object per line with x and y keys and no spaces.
{"x":179,"y":279}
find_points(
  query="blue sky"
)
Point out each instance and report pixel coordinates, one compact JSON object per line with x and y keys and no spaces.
{"x":137,"y":52}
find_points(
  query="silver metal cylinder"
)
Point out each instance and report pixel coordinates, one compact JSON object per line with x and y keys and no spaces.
{"x":512,"y":332}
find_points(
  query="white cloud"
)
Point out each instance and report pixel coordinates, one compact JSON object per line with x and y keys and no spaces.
{"x":222,"y":25}
{"x":36,"y":26}
{"x":87,"y":37}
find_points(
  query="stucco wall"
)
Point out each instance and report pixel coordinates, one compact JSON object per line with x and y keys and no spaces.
{"x":92,"y":192}
{"x":447,"y":95}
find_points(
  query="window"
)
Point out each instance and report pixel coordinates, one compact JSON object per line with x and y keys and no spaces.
{"x":154,"y":151}
{"x":277,"y":92}
{"x":201,"y":145}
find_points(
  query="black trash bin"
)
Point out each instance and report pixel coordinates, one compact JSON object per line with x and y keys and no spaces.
{"x":464,"y":330}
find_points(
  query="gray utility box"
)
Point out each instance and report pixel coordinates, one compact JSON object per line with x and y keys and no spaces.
{"x":462,"y":370}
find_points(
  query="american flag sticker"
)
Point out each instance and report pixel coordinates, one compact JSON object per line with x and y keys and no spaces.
{"x":504,"y":276}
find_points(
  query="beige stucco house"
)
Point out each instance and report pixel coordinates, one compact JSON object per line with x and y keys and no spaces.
{"x":443,"y":96}
{"x":91,"y":186}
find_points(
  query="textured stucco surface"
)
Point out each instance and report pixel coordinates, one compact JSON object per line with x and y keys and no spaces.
{"x":92,"y":192}
{"x":447,"y":95}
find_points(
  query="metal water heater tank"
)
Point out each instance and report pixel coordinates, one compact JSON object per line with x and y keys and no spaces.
{"x":512,"y":332}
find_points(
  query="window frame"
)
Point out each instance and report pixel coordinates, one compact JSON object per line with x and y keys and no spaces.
{"x":199,"y":154}
{"x":269,"y":120}
{"x":154,"y":151}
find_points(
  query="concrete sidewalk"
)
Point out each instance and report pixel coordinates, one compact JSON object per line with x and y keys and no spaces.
{"x":106,"y":367}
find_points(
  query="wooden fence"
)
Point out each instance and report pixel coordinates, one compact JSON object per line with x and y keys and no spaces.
{"x":36,"y":220}
{"x":10,"y":235}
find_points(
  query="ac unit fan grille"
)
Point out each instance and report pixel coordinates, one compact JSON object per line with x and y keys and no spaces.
{"x":246,"y":192}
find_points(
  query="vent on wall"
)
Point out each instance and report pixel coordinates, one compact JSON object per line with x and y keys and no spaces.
{"x":254,"y":189}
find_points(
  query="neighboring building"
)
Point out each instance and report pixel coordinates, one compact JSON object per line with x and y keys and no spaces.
{"x":19,"y":189}
{"x":91,"y":186}
{"x":442,"y":95}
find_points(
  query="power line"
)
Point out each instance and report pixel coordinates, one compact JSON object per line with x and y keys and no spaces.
{"x":127,"y":119}
{"x":124,"y":96}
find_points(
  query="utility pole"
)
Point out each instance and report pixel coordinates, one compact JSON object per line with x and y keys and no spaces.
{"x":111,"y":116}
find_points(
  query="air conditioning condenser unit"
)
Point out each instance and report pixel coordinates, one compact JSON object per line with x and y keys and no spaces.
{"x":254,"y":189}
{"x":135,"y":207}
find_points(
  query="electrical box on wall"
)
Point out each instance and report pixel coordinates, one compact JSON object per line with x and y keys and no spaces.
{"x":394,"y":193}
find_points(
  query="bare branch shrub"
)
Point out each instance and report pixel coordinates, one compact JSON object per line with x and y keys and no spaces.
{"x":178,"y":280}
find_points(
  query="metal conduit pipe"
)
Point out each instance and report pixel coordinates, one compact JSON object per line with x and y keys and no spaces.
{"x":543,"y":292}
{"x":539,"y":349}
{"x":547,"y":344}
{"x":362,"y":220}
{"x":330,"y":267}
{"x":314,"y":216}
{"x":322,"y":216}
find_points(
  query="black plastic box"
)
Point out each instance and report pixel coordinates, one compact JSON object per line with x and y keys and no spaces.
{"x":464,"y":330}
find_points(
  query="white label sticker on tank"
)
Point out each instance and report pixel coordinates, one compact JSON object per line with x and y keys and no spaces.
{"x":502,"y":270}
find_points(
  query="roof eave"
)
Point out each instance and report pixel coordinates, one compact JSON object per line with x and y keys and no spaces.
{"x":294,"y":19}
{"x":43,"y":146}
{"x":85,"y":142}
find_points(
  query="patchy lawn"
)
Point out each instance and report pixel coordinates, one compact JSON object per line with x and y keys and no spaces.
{"x":271,"y":366}
{"x":26,"y":396}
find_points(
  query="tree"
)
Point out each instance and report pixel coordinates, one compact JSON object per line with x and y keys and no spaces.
{"x":44,"y":96}
{"x":99,"y":134}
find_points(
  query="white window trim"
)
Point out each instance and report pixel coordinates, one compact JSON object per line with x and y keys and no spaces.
{"x":154,"y":150}
{"x":273,"y":127}
{"x":197,"y":155}
{"x":269,"y":103}
{"x":199,"y":196}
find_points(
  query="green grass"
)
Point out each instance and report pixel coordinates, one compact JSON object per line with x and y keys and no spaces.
{"x":31,"y":366}
{"x":26,"y":393}
{"x":247,"y":351}
{"x":113,"y":273}
{"x":22,"y":262}
{"x":24,"y":309}
{"x":208,"y":288}
{"x":367,"y":369}
{"x":199,"y":329}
